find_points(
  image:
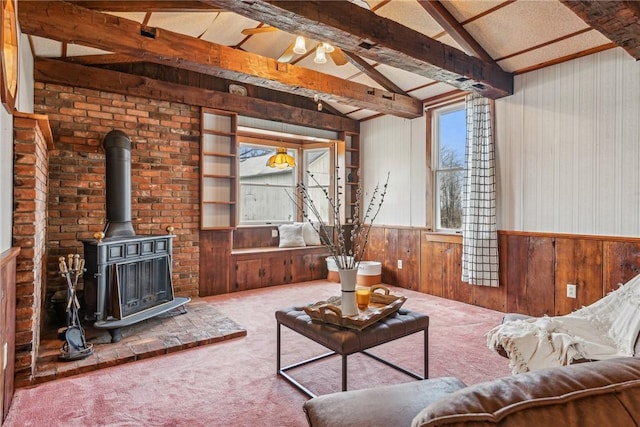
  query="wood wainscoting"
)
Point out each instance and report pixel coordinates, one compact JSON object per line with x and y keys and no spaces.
{"x":8,"y":260}
{"x":215,"y":261}
{"x":249,"y":257}
{"x":535,"y":268}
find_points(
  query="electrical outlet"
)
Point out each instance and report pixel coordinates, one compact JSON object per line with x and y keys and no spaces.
{"x":399,"y":264}
{"x":274,"y":233}
{"x":571,"y":290}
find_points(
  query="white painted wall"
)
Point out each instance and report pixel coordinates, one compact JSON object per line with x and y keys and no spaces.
{"x":568,"y":147}
{"x":568,"y":152}
{"x":392,"y":144}
{"x":24,"y":103}
{"x":6,"y":178}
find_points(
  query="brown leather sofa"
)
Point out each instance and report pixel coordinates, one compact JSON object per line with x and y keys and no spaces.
{"x":599,"y":394}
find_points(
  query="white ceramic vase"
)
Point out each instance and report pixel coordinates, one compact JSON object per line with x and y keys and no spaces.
{"x":348,"y":304}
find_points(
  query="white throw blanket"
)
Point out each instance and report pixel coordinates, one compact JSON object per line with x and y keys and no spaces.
{"x":606,"y":329}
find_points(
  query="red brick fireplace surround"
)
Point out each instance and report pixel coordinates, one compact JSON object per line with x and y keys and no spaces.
{"x":67,"y":204}
{"x":32,"y":141}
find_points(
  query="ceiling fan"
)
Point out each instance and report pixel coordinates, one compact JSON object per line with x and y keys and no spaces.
{"x":298,"y":47}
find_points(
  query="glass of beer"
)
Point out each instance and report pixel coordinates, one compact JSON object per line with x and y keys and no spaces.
{"x":363,"y":294}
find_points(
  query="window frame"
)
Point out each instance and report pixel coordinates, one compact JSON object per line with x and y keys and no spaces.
{"x":433,"y":115}
{"x":300,"y":146}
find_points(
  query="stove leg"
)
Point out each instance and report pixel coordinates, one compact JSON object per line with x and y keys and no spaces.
{"x":116,"y":335}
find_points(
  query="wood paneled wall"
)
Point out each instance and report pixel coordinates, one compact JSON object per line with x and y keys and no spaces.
{"x":215,"y":261}
{"x":8,"y":261}
{"x":255,"y":237}
{"x":535,"y":268}
{"x":388,"y":245}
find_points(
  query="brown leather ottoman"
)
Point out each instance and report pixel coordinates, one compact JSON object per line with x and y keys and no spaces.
{"x":344,"y":341}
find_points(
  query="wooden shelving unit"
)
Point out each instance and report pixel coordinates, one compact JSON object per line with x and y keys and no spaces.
{"x":218,"y":170}
{"x":352,"y":173}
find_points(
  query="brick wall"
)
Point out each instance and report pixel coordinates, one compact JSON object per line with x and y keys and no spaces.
{"x":164,"y":172}
{"x":29,"y":233}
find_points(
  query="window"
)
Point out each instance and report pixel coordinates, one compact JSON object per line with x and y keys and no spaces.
{"x":448,"y":140}
{"x":318,"y":162}
{"x":264,"y":192}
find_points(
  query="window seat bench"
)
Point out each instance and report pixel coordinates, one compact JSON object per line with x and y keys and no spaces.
{"x":260,"y":267}
{"x":276,"y":249}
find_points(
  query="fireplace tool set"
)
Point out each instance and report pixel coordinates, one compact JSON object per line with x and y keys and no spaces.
{"x":75,"y":345}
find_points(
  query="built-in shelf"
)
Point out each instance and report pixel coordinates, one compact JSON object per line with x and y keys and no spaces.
{"x":218,"y":170}
{"x":352,"y":173}
{"x":218,"y":132}
{"x":214,"y":153}
{"x":211,"y":175}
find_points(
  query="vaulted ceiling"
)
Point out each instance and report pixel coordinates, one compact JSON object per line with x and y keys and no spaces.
{"x":391,"y":56}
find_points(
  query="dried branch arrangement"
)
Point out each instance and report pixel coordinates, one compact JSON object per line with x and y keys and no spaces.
{"x":346,"y":254}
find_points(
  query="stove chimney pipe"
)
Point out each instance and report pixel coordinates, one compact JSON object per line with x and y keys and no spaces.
{"x":117,"y":147}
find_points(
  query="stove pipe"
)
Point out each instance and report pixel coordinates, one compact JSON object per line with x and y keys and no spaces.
{"x":117,"y":147}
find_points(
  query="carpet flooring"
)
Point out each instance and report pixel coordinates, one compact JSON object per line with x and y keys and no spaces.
{"x":234,"y":382}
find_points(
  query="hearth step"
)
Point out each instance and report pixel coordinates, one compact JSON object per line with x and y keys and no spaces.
{"x":113,"y":325}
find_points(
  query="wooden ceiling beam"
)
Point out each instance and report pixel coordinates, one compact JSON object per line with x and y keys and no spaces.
{"x":619,"y":21}
{"x":374,"y":37}
{"x":374,"y":74}
{"x":457,"y":32}
{"x":204,"y":81}
{"x":64,"y":73}
{"x":146,"y":5}
{"x":109,"y":58}
{"x":66,"y":22}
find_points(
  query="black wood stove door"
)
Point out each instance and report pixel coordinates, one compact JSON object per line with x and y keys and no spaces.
{"x":139,"y":285}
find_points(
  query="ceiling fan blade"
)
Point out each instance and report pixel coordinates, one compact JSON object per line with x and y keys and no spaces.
{"x":258,"y":30}
{"x":338,"y":56}
{"x":288,"y":54}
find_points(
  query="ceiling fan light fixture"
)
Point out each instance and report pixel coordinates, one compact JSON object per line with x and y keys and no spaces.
{"x":328,"y":48}
{"x":300,"y":48}
{"x":281,"y":159}
{"x":320,"y":58}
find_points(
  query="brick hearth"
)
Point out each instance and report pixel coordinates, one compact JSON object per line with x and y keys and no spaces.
{"x":201,"y":325}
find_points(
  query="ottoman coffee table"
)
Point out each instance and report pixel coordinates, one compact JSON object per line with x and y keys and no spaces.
{"x":346,"y":341}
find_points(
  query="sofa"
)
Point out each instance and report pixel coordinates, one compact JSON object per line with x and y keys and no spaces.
{"x":512,"y":317}
{"x":599,"y":394}
{"x":608,"y":328}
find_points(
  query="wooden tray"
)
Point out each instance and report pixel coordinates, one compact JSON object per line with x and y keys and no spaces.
{"x":381,"y":305}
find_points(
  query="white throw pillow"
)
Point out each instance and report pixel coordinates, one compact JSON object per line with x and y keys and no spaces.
{"x":311,"y":236}
{"x":291,"y":235}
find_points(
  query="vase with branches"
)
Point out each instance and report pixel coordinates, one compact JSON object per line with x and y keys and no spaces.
{"x":347,"y":248}
{"x":347,"y":243}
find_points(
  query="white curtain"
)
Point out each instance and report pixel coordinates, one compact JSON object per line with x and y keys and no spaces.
{"x":479,"y":229}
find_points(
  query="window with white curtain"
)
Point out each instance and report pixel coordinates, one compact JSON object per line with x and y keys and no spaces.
{"x":448,"y":140}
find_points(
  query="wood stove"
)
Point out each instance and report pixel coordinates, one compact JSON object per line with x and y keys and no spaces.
{"x":128,"y":277}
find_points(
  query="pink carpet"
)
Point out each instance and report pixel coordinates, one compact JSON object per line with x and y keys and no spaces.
{"x":233,"y":383}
